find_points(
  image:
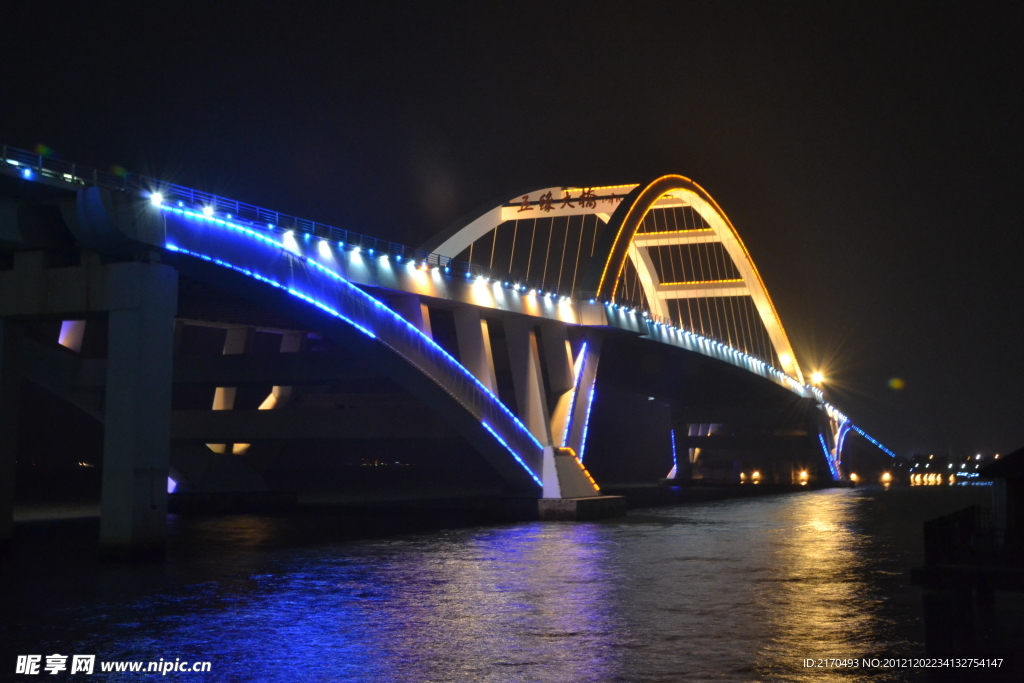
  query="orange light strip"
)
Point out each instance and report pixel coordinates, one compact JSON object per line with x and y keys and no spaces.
{"x":703,"y":282}
{"x":673,"y":232}
{"x":626,"y":221}
{"x":582,"y":467}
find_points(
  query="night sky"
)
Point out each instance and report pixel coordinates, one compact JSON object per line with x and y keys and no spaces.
{"x":868,"y":153}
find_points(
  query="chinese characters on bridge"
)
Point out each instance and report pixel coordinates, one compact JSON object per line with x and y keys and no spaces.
{"x":586,"y":199}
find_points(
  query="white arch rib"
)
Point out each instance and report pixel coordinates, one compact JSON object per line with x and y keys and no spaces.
{"x":513,"y":210}
{"x":657,"y":292}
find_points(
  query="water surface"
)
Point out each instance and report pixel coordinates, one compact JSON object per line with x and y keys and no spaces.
{"x":738,"y":590}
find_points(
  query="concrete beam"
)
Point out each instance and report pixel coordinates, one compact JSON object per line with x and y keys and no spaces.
{"x":292,"y":369}
{"x":32,"y":289}
{"x":474,"y":339}
{"x":743,"y":441}
{"x":670,"y":238}
{"x":69,"y":377}
{"x":251,"y":426}
{"x":700,"y":290}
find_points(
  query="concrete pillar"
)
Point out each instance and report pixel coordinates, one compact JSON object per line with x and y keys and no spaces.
{"x":142,"y":298}
{"x":579,"y":409}
{"x":238,"y":340}
{"x":10,"y":340}
{"x":410,"y":307}
{"x":279,"y":396}
{"x":291,"y":342}
{"x":72,"y":332}
{"x":524,"y":357}
{"x":557,"y":356}
{"x":474,"y":341}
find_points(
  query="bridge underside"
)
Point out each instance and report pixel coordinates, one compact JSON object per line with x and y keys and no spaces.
{"x":183,"y":352}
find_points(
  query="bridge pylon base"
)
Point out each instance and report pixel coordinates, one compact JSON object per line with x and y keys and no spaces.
{"x":581,"y":509}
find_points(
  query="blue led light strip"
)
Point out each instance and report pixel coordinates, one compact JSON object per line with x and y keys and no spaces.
{"x":575,"y":393}
{"x":675,"y":463}
{"x":586,"y":422}
{"x":357,"y":292}
{"x":514,"y":454}
{"x":880,"y":446}
{"x":828,"y":458}
{"x":366,"y":298}
{"x":273,"y":283}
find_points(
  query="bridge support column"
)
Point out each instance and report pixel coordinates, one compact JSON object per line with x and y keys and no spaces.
{"x":142,"y":298}
{"x":558,"y":356}
{"x":528,"y":381}
{"x":237,"y":341}
{"x":10,"y":339}
{"x":279,"y":396}
{"x":473,"y":335}
{"x":412,"y":308}
{"x":527,"y":378}
{"x":583,"y":396}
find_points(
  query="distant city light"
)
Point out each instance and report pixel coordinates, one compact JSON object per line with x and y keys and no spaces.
{"x":156,"y":199}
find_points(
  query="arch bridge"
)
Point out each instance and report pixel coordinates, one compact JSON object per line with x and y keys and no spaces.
{"x":555,"y":345}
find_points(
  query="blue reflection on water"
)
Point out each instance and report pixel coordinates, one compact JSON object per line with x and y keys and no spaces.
{"x":738,"y":590}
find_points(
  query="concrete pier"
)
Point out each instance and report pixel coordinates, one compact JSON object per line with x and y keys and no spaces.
{"x":581,"y":509}
{"x":10,"y":339}
{"x":142,"y":299}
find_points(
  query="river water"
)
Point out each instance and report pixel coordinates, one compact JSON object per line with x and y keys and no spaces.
{"x":736,"y":590}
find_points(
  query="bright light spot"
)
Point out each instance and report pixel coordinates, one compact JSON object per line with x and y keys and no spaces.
{"x":207,"y":211}
{"x":26,"y":173}
{"x":886,"y":477}
{"x":324,"y":248}
{"x":853,"y":477}
{"x":171,"y":485}
{"x":785,"y":359}
{"x":817,"y":378}
{"x":289,"y":242}
{"x":156,"y":199}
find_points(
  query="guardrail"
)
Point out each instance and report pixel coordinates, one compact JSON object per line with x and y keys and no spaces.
{"x":29,"y":164}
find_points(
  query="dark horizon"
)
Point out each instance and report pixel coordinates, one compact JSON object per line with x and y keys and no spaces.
{"x":856,"y":148}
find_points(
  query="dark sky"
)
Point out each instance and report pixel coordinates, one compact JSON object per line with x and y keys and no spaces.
{"x":868,"y":153}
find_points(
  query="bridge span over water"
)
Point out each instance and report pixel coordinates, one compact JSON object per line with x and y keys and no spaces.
{"x":562,"y":342}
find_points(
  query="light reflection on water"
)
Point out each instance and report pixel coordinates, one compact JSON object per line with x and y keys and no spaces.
{"x":739,"y":590}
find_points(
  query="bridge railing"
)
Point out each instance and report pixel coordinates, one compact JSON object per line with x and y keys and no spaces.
{"x":30,"y":164}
